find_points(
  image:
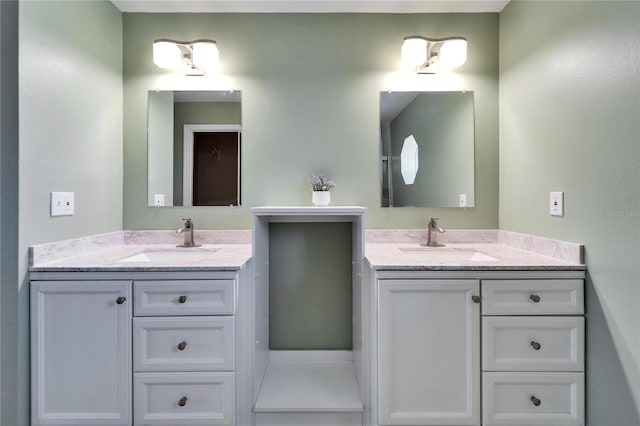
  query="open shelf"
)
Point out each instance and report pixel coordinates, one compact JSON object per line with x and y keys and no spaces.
{"x":304,"y":382}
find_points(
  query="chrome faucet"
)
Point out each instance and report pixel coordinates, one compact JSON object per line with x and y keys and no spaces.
{"x":432,"y":233}
{"x":188,"y":234}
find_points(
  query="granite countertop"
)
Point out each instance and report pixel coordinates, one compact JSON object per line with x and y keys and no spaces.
{"x":460,"y":256}
{"x":220,"y":251}
{"x":471,"y":249}
{"x":386,"y":249}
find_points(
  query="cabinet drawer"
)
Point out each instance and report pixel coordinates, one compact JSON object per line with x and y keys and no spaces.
{"x":188,"y":297}
{"x":533,"y":399}
{"x":532,"y":297}
{"x":183,"y":344}
{"x":533,"y":343}
{"x":183,"y":399}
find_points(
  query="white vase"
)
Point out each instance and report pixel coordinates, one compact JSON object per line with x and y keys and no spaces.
{"x":321,"y":198}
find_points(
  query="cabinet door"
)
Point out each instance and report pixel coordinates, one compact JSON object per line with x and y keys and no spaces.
{"x":429,"y":352}
{"x":81,"y":353}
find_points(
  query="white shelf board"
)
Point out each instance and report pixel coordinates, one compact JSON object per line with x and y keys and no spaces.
{"x":309,"y":386}
{"x":308,"y":210}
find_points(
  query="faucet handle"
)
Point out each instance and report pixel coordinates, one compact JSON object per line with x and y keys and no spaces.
{"x":187,"y":222}
{"x":434,"y":221}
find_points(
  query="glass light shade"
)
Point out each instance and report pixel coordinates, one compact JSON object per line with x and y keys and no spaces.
{"x":414,"y":52}
{"x":453,"y":53}
{"x":409,"y":160}
{"x":167,"y":54}
{"x":205,"y":55}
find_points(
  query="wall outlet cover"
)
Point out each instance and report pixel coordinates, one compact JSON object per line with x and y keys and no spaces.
{"x":556,"y":203}
{"x":462,"y":200}
{"x":158,"y":200}
{"x":62,"y":204}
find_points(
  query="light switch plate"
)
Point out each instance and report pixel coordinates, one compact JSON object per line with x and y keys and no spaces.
{"x":462,"y":200}
{"x":556,"y":203}
{"x":62,"y":204}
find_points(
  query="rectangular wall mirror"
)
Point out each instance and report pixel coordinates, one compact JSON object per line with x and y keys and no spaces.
{"x":194,"y":145}
{"x":427,"y":146}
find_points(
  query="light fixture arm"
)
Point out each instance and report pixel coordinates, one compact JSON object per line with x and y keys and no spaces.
{"x":436,"y":40}
{"x":185,"y":43}
{"x":193,"y":56}
{"x":429,"y":60}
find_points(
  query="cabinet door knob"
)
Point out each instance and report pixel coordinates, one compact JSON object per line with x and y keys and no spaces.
{"x":476,"y":299}
{"x":535,"y":345}
{"x":182,"y":345}
{"x":182,"y":299}
{"x":183,"y":401}
{"x":535,"y":401}
{"x":534,"y":298}
{"x":120,"y":300}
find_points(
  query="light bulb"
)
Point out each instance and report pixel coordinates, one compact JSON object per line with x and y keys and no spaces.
{"x":453,"y":53}
{"x":414,"y":52}
{"x":205,"y":55}
{"x":167,"y":54}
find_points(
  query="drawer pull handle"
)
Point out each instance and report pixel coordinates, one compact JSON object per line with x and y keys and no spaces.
{"x":535,"y":401}
{"x":535,"y":298}
{"x":120,"y":300}
{"x":182,"y":299}
{"x":183,"y":401}
{"x":182,"y":345}
{"x":476,"y":299}
{"x":535,"y":345}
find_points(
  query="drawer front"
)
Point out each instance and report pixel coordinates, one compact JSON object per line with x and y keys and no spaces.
{"x":183,"y":344}
{"x":188,"y":297}
{"x":533,"y":343}
{"x":533,"y":399}
{"x":183,"y":399}
{"x":533,"y":297}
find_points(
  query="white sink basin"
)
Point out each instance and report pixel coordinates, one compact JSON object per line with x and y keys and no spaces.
{"x":447,"y":254}
{"x":177,"y":255}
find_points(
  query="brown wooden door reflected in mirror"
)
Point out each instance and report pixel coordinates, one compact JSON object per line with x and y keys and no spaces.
{"x":215,"y":168}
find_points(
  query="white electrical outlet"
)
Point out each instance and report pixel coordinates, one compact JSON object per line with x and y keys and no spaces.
{"x":158,"y":200}
{"x":463,"y":200}
{"x":62,"y":203}
{"x":556,"y":203}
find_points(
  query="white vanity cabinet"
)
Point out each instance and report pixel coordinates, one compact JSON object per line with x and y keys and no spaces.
{"x":533,"y":352}
{"x":184,"y":352}
{"x":123,"y":348}
{"x":81,"y":352}
{"x":429,"y":352}
{"x":429,"y":367}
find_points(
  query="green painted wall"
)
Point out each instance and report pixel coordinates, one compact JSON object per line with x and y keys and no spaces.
{"x":310,"y":274}
{"x":570,"y":121}
{"x":160,"y":148}
{"x":8,"y":211}
{"x":70,"y":91}
{"x":310,"y":103}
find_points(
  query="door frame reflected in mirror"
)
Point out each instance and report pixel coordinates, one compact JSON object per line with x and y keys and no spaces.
{"x":188,"y":155}
{"x":170,"y":150}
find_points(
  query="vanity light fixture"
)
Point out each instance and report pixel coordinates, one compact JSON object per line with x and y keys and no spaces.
{"x":193,"y":56}
{"x":428,"y":55}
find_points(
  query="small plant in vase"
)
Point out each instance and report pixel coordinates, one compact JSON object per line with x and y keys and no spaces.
{"x":321,"y":185}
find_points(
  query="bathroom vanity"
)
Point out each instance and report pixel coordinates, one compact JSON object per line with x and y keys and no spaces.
{"x":136,"y":332}
{"x":473,"y":334}
{"x":118,"y":340}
